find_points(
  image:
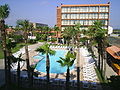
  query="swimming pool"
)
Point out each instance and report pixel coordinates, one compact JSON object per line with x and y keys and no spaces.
{"x":55,"y":67}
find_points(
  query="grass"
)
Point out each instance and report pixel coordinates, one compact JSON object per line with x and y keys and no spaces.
{"x":1,"y":52}
{"x":17,"y":48}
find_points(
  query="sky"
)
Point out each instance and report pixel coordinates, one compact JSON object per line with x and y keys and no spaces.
{"x":44,"y":11}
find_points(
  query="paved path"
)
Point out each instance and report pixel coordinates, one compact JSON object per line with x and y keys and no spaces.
{"x":109,"y":71}
{"x":2,"y":73}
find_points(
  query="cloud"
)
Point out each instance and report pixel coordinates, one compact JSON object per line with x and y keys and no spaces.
{"x":44,"y":2}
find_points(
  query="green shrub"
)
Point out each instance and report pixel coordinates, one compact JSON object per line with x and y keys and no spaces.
{"x":32,"y":41}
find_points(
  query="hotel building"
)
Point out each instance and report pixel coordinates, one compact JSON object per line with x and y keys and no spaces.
{"x":38,"y":25}
{"x":85,"y":14}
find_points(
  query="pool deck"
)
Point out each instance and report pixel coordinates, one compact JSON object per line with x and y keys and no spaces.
{"x":73,"y":73}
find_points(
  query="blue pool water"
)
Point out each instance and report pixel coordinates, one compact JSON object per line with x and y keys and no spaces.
{"x":55,"y":67}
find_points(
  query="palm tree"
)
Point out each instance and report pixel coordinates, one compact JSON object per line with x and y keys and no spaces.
{"x":67,"y":34}
{"x":32,"y":68}
{"x":26,"y":27}
{"x":57,"y":30}
{"x":45,"y":49}
{"x":67,"y":61}
{"x":47,"y":31}
{"x":77,"y":40}
{"x":98,"y":35}
{"x":17,"y":60}
{"x":4,"y":13}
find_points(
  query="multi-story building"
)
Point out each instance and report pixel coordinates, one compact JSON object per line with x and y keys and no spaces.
{"x":85,"y":14}
{"x":39,"y":24}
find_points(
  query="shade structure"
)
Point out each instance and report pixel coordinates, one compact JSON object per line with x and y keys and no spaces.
{"x":114,"y":51}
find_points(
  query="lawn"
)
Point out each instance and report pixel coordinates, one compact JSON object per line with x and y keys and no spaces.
{"x":1,"y":52}
{"x":18,"y":46}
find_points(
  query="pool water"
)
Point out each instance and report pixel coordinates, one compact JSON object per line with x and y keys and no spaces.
{"x":55,"y":67}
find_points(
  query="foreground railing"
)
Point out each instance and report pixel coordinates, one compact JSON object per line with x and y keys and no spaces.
{"x":55,"y":84}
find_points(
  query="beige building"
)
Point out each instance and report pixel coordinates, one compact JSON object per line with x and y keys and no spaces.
{"x":85,"y":14}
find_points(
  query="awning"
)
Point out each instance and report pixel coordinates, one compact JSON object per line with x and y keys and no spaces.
{"x":114,"y":51}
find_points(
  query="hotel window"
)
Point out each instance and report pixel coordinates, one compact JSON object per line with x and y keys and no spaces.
{"x":81,"y":22}
{"x":81,"y":9}
{"x":64,"y":9}
{"x":81,"y":16}
{"x":69,"y":22}
{"x":106,"y":16}
{"x":103,"y":9}
{"x":64,"y":22}
{"x":85,"y":16}
{"x":95,"y":16}
{"x":90,"y":16}
{"x":85,"y":22}
{"x":64,"y":16}
{"x":73,"y":16}
{"x":73,"y":9}
{"x":84,"y":9}
{"x":90,"y":22}
{"x":93,"y":9}
{"x":77,"y":16}
{"x":72,"y":22}
{"x":77,"y":9}
{"x":106,"y":22}
{"x":69,"y":9}
{"x":107,"y":9}
{"x":103,"y":16}
{"x":68,"y":16}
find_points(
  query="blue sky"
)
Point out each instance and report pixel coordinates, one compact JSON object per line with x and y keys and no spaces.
{"x":44,"y":11}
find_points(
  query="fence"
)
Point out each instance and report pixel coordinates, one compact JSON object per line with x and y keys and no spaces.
{"x":55,"y":84}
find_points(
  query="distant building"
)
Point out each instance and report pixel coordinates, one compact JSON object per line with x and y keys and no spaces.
{"x":39,"y":25}
{"x":85,"y":14}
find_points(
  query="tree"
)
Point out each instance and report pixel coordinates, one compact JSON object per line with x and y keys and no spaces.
{"x":45,"y":49}
{"x":67,"y":34}
{"x":97,"y":35}
{"x":67,"y":61}
{"x":4,"y":13}
{"x":47,"y":32}
{"x":26,"y":27}
{"x":57,"y":31}
{"x":17,"y":60}
{"x":79,"y":42}
{"x":32,"y":68}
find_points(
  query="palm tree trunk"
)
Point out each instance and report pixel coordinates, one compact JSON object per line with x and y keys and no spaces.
{"x":57,"y":36}
{"x":18,"y":74}
{"x":78,"y":70}
{"x":47,"y":70}
{"x":9,"y":72}
{"x":3,"y":34}
{"x":99,"y":57}
{"x":67,"y":79}
{"x":102,"y":58}
{"x":27,"y":55}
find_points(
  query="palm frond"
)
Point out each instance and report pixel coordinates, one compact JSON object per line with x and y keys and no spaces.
{"x":4,"y":11}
